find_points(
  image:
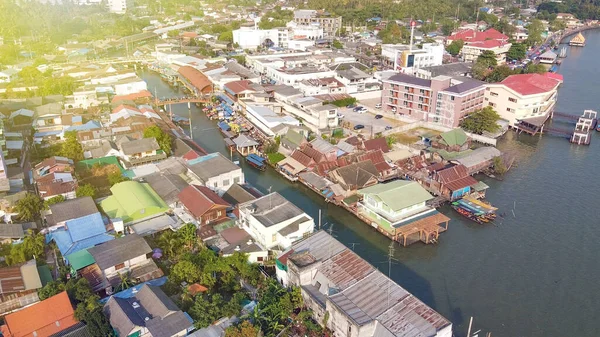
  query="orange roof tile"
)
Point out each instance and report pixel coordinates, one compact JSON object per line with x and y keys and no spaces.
{"x":46,"y":318}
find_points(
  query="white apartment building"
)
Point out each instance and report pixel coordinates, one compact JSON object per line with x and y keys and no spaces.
{"x":252,"y":38}
{"x":525,"y":98}
{"x":471,"y":51}
{"x":118,"y":6}
{"x":405,"y":59}
{"x":313,"y":113}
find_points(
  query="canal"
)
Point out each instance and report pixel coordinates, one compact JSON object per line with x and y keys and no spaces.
{"x":536,"y":273}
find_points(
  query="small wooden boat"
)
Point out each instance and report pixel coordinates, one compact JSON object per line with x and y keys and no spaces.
{"x":256,"y":161}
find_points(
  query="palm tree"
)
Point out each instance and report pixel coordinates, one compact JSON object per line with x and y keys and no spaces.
{"x":169,"y":242}
{"x":125,"y":282}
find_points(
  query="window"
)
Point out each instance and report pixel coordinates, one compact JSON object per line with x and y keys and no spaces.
{"x":514,"y":100}
{"x":236,"y":180}
{"x":492,"y":104}
{"x":420,"y":106}
{"x":421,"y":91}
{"x":216,"y":184}
{"x":274,"y":238}
{"x":219,"y":213}
{"x":349,"y":332}
{"x":493,"y":94}
{"x":259,"y":258}
{"x":120,"y":266}
{"x":510,"y":110}
{"x":452,"y":98}
{"x":405,"y":87}
{"x":318,"y":285}
{"x":225,"y":182}
{"x":439,"y":95}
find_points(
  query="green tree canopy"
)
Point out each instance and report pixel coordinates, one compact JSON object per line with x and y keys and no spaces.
{"x":29,"y":207}
{"x":484,"y":120}
{"x":517,"y":51}
{"x":337,"y":44}
{"x":185,"y":271}
{"x":54,"y":200}
{"x":86,"y":190}
{"x":71,"y":147}
{"x":162,"y":138}
{"x":245,"y":329}
{"x":532,"y":68}
{"x":500,"y":73}
{"x":455,"y":47}
{"x":487,"y":58}
{"x":534,"y":32}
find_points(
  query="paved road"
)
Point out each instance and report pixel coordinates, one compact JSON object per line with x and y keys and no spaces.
{"x":367,"y":119}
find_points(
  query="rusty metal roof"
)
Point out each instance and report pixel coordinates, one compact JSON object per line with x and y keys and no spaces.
{"x":345,"y":269}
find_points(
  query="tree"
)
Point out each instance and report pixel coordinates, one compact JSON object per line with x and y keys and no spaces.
{"x":185,"y":271}
{"x":188,"y":235}
{"x":455,"y":47}
{"x":71,"y":147}
{"x":86,"y":190}
{"x":447,"y":27}
{"x":479,"y":71}
{"x":556,"y":25}
{"x":33,"y":245}
{"x":54,"y":200}
{"x":534,"y":32}
{"x":484,"y":120}
{"x":162,"y":138}
{"x":125,"y":282}
{"x":337,"y":44}
{"x":29,"y":207}
{"x":226,"y":36}
{"x":115,"y":178}
{"x":50,"y":289}
{"x":517,"y":51}
{"x":505,"y":27}
{"x":499,"y":166}
{"x":499,"y":74}
{"x":487,"y":58}
{"x":532,"y":68}
{"x":246,"y":329}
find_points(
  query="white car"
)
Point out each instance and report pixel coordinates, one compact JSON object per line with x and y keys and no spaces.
{"x":378,"y":106}
{"x":394,"y":109}
{"x":362,"y":110}
{"x":340,"y":116}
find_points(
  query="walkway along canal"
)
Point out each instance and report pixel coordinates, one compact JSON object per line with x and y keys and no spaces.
{"x":535,"y":273}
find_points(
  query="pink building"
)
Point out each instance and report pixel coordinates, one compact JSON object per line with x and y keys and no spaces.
{"x":442,"y":100}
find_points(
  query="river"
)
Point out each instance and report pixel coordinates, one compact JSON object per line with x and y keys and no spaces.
{"x":534,"y":274}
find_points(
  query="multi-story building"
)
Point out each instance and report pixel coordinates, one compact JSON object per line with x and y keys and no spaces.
{"x":313,"y":113}
{"x":252,"y":38}
{"x":322,"y":86}
{"x":476,"y":42}
{"x":119,"y":6}
{"x":525,"y":100}
{"x":330,"y":24}
{"x":442,"y":100}
{"x":406,"y":59}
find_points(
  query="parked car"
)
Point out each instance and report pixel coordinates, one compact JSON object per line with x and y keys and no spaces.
{"x":389,"y":127}
{"x":378,"y":106}
{"x":378,"y":116}
{"x":359,"y":126}
{"x":350,"y":106}
{"x":362,"y":110}
{"x":394,"y":109}
{"x":356,"y":108}
{"x":340,"y":116}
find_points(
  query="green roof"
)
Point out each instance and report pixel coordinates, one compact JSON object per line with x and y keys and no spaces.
{"x":398,"y":194}
{"x":132,"y":200}
{"x":454,"y":137}
{"x":80,"y":259}
{"x":294,"y":137}
{"x":45,"y":274}
{"x":451,"y":155}
{"x":89,"y":163}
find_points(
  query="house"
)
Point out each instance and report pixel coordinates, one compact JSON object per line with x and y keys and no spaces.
{"x":455,"y":140}
{"x":55,"y":184}
{"x":149,"y":313}
{"x":238,"y":240}
{"x":8,"y":75}
{"x":99,"y":149}
{"x":65,"y":211}
{"x":290,"y":168}
{"x":140,"y":151}
{"x":187,"y":149}
{"x":126,"y":255}
{"x":392,"y":205}
{"x":273,"y":221}
{"x":241,"y":89}
{"x":215,"y":171}
{"x":11,"y":232}
{"x":355,"y":176}
{"x":238,"y":194}
{"x":455,"y":181}
{"x":44,"y":319}
{"x":321,"y":150}
{"x":376,"y":144}
{"x":53,"y":164}
{"x":293,"y":140}
{"x":357,"y":298}
{"x":245,"y":145}
{"x":524,"y":100}
{"x":479,"y":159}
{"x":385,"y":170}
{"x":476,"y":42}
{"x":18,"y":286}
{"x":21,"y":117}
{"x":132,"y":201}
{"x":167,"y":185}
{"x":204,"y":204}
{"x":80,"y":233}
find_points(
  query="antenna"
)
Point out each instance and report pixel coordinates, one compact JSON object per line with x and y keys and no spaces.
{"x":390,"y":258}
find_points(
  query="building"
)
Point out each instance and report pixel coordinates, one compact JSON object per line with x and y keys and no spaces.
{"x":204,"y":204}
{"x":314,"y":114}
{"x":126,"y":255}
{"x":238,"y":240}
{"x":273,"y":221}
{"x":7,"y":75}
{"x":322,"y":86}
{"x":149,"y":313}
{"x":55,"y":184}
{"x":408,"y":59}
{"x":140,"y":151}
{"x":441,"y":100}
{"x":80,"y":233}
{"x":454,"y":70}
{"x":119,"y":6}
{"x":69,"y":210}
{"x":252,"y":37}
{"x":455,"y":181}
{"x":525,"y":101}
{"x":18,"y":286}
{"x":330,"y":24}
{"x":11,"y":233}
{"x":132,"y":201}
{"x":476,"y":42}
{"x":455,"y":140}
{"x":358,"y":299}
{"x":53,"y":164}
{"x":354,"y":79}
{"x":266,"y":119}
{"x":215,"y":172}
{"x":44,"y":319}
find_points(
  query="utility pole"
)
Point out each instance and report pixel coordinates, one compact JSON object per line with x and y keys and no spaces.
{"x":390,"y":258}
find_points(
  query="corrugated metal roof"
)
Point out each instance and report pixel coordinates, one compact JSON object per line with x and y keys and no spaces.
{"x":345,"y":269}
{"x":319,"y":245}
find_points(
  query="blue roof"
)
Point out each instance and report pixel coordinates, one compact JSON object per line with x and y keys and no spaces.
{"x":225,"y":98}
{"x":81,"y":233}
{"x":47,"y":133}
{"x":87,"y":126}
{"x":255,"y":162}
{"x":130,"y":292}
{"x":203,"y":158}
{"x":256,"y":157}
{"x":224,"y":126}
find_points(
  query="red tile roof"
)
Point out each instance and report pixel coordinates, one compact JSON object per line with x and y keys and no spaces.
{"x":487,"y":44}
{"x":461,"y":183}
{"x":46,"y":318}
{"x":377,"y":144}
{"x":132,"y":97}
{"x":237,"y":87}
{"x":452,"y":173}
{"x":531,"y":84}
{"x":469,"y":36}
{"x":49,"y":185}
{"x":324,"y":167}
{"x":196,"y":78}
{"x":314,"y":154}
{"x":200,"y":199}
{"x":302,"y":158}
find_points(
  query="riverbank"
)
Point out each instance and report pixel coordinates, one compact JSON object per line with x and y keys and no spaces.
{"x":502,"y":275}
